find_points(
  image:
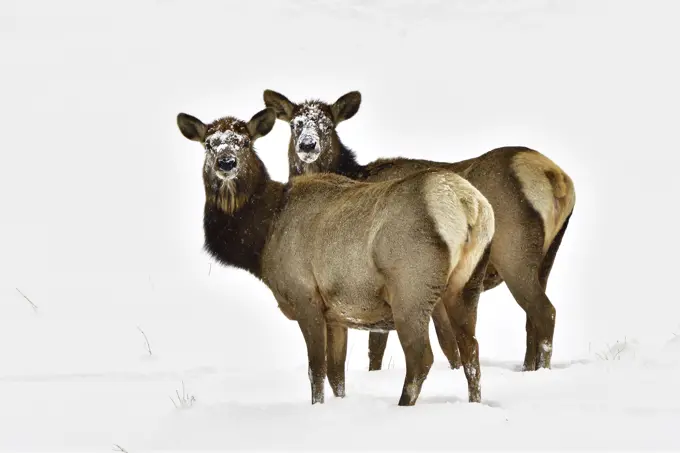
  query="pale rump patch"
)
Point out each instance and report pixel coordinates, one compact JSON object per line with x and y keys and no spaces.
{"x":549,"y":190}
{"x":464,"y":219}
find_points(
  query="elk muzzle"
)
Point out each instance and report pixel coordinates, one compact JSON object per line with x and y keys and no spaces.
{"x":225,"y":167}
{"x":308,"y":149}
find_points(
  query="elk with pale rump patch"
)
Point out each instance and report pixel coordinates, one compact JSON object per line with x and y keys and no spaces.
{"x":338,"y":253}
{"x":531,"y":196}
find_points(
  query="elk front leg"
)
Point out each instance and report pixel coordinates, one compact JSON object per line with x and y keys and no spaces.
{"x":313,"y":326}
{"x":377,"y":341}
{"x":336,"y":353}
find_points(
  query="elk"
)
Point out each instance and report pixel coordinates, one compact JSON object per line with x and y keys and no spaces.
{"x":339,"y":254}
{"x":532,"y":198}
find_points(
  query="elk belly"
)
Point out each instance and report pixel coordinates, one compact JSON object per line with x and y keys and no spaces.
{"x":363,"y":314}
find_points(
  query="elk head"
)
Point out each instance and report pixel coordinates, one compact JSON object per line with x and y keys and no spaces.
{"x":312,"y":123}
{"x":231,"y":171}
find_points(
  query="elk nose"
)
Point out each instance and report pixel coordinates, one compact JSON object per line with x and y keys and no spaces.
{"x":307,"y":144}
{"x":226,"y":163}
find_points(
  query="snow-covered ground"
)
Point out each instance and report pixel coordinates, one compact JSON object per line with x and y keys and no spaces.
{"x":102,"y":201}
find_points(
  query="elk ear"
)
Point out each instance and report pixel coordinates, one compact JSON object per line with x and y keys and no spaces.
{"x":281,"y":105}
{"x":191,"y":127}
{"x":261,"y":123}
{"x":346,"y":107}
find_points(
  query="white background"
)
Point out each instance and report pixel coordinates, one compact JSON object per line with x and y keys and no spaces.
{"x":101,"y":197}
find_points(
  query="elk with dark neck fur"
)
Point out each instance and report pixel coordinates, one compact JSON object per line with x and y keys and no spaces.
{"x":531,"y":196}
{"x":339,"y":254}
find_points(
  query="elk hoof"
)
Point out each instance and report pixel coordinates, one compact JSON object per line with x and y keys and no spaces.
{"x":529,"y":366}
{"x":339,"y":391}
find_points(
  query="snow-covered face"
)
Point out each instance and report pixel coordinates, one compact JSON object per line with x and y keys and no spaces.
{"x":224,"y":148}
{"x":231,"y":169}
{"x":311,"y":131}
{"x":314,"y":144}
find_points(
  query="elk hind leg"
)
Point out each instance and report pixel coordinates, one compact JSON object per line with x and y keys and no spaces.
{"x":461,"y":304}
{"x":412,"y":309}
{"x":446,"y":335}
{"x":549,"y":258}
{"x":535,"y":356}
{"x":313,"y":327}
{"x":518,"y":256}
{"x":377,"y":341}
{"x":336,"y":354}
{"x":412,"y":328}
{"x":527,"y":290}
{"x":540,"y":323}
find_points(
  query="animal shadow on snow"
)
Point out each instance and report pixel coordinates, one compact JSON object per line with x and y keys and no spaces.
{"x":431,"y":400}
{"x":512,"y":365}
{"x":449,"y":399}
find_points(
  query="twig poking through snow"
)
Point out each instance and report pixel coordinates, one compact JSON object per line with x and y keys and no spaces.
{"x":117,"y":447}
{"x":184,"y":401}
{"x":209,"y":269}
{"x":613,"y":353}
{"x":148,"y":345}
{"x":34,"y":306}
{"x":349,"y":356}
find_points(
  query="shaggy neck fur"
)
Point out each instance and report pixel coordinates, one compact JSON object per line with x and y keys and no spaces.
{"x":237,"y":219}
{"x":347,"y":161}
